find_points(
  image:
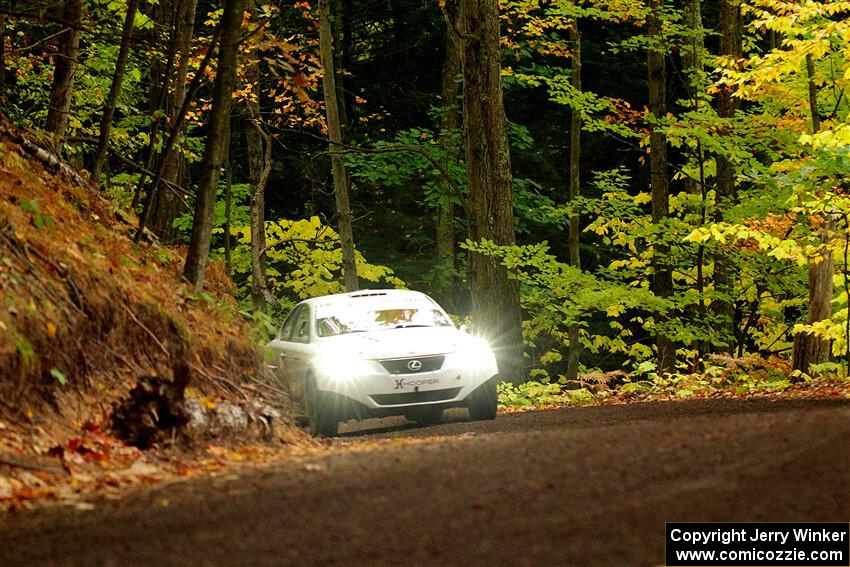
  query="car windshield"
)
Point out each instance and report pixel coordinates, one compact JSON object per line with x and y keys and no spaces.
{"x":362,"y":316}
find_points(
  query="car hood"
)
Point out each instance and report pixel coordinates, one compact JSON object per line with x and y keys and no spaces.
{"x":397,"y":343}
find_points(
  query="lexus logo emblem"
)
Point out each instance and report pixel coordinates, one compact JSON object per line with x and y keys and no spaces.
{"x":415,"y":365}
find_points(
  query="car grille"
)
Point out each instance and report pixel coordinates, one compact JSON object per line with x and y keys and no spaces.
{"x":409,"y":366}
{"x":415,"y":397}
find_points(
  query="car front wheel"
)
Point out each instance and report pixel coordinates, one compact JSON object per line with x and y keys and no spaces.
{"x":483,"y":402}
{"x":320,"y":412}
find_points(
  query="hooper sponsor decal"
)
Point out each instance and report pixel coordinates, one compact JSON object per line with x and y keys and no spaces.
{"x":402,"y":383}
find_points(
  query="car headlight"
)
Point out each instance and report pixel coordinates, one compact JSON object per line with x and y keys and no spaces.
{"x":474,"y":353}
{"x":343,"y":366}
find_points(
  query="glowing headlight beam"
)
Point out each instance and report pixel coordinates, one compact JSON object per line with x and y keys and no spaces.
{"x":344,"y":366}
{"x":475,"y":352}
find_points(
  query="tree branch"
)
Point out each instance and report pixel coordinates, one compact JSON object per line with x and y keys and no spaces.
{"x":32,"y":466}
{"x":42,"y":40}
{"x":396,"y":148}
{"x":178,"y":190}
{"x":176,"y":128}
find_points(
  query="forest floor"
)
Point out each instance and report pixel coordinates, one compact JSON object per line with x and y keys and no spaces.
{"x":573,"y":486}
{"x":94,"y":465}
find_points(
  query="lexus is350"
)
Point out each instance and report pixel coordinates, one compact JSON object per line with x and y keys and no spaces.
{"x":380,"y":352}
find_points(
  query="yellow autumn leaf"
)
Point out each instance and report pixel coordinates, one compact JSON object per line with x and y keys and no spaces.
{"x":614,"y":309}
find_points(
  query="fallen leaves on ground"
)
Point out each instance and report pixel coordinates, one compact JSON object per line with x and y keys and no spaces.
{"x":89,"y":463}
{"x":92,"y":464}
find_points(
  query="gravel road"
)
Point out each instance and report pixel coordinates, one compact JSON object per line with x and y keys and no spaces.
{"x":583,"y":486}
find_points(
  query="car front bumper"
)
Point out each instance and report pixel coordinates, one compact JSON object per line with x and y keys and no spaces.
{"x":347,"y":408}
{"x":381,"y":392}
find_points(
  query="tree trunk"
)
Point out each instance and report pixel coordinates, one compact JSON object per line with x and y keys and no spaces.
{"x":173,"y":132}
{"x":663,"y":279}
{"x":260,"y":292}
{"x":813,"y":93}
{"x":574,"y":192}
{"x":101,"y":152}
{"x":228,"y":208}
{"x":225,"y":81}
{"x":339,"y":69}
{"x":259,"y":167}
{"x":692,"y":65}
{"x":340,"y":175}
{"x":347,"y":45}
{"x":2,"y":59}
{"x":808,"y":348}
{"x":167,"y":206}
{"x":63,"y":73}
{"x":693,"y":52}
{"x":495,"y":297}
{"x":448,"y":142}
{"x":157,"y":94}
{"x":727,"y":105}
{"x":184,"y":32}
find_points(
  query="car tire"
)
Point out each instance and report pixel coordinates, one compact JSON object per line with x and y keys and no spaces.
{"x":483,"y":402}
{"x":427,"y":415}
{"x":320,"y":412}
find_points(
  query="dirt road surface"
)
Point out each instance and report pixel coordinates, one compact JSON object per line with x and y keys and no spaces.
{"x":584,"y":486}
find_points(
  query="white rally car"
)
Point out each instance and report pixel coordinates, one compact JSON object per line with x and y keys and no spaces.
{"x":380,"y":352}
